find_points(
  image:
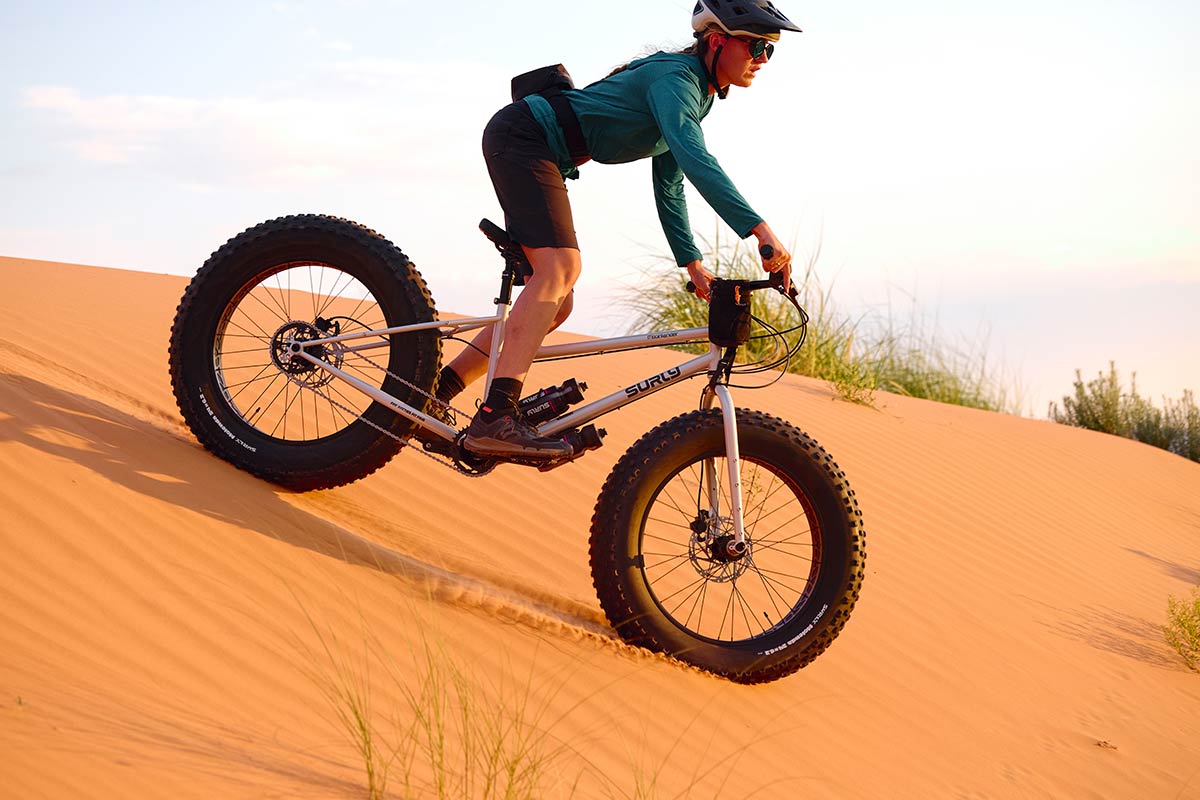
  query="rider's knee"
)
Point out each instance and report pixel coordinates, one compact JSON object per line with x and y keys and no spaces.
{"x":556,"y":268}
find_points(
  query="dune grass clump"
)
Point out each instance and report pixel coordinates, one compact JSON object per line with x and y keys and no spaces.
{"x":1103,"y":404}
{"x":443,"y":732}
{"x":343,"y":675}
{"x":857,"y":355}
{"x":1182,"y":630}
{"x":476,"y":738}
{"x":428,"y":726}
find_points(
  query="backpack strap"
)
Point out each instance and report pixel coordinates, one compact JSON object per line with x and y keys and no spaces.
{"x":572,"y":132}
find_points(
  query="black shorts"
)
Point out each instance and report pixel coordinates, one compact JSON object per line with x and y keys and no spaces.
{"x":528,"y":183}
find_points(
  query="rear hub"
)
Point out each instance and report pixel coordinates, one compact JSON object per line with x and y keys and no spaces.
{"x":287,"y":344}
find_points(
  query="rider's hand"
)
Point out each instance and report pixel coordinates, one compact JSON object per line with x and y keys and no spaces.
{"x":782,"y":260}
{"x":701,"y":277}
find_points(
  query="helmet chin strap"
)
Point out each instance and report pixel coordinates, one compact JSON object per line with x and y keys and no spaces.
{"x":711,"y":70}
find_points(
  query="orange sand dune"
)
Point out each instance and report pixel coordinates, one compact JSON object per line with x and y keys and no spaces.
{"x":170,"y":626}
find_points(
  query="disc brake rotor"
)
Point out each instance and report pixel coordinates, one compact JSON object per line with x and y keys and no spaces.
{"x":287,"y":344}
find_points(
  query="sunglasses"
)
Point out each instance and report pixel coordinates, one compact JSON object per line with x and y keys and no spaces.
{"x":757,"y":47}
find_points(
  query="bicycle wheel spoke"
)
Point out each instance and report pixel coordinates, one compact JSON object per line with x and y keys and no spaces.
{"x":255,"y":403}
{"x":760,"y":548}
{"x":260,"y":376}
{"x":286,"y":403}
{"x":764,"y":574}
{"x":746,"y":609}
{"x":772,"y":532}
{"x":682,"y":563}
{"x":682,"y":589}
{"x":771,"y":595}
{"x":240,"y":353}
{"x":277,"y":296}
{"x":270,"y":310}
{"x":312,"y":292}
{"x":675,"y":505}
{"x":682,"y":526}
{"x":731,"y":616}
{"x":258,"y":366}
{"x":334,"y":293}
{"x":698,"y":605}
{"x":349,"y":401}
{"x":773,"y":592}
{"x":758,"y":510}
{"x":690,"y":588}
{"x":262,"y":334}
{"x":284,"y":391}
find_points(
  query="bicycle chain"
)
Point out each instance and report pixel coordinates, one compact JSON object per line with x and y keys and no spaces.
{"x":403,"y":442}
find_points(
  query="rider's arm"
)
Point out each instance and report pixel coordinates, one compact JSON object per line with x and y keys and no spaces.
{"x":676,"y":106}
{"x":672,"y":208}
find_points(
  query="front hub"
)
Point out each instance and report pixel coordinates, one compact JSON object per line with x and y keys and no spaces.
{"x":714,"y":550}
{"x":726,"y":548}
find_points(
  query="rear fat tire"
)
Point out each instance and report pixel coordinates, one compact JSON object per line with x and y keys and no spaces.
{"x":356,"y":450}
{"x":619,"y":557}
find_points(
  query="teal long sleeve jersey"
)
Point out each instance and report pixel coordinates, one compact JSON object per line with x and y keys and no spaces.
{"x":653,"y":109}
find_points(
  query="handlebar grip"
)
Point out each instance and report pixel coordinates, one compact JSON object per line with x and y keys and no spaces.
{"x":691,"y":287}
{"x":768,"y":252}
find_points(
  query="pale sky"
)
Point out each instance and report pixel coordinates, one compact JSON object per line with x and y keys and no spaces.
{"x":1024,"y":173}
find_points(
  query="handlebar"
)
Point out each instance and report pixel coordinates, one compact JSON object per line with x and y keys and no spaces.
{"x":775,"y":281}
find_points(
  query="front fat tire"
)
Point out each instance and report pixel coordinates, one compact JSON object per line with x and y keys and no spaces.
{"x":620,"y":560}
{"x":359,"y":448}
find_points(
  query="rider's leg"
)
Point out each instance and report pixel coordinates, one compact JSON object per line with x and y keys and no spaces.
{"x":497,"y":428}
{"x":555,"y":270}
{"x":471,"y":364}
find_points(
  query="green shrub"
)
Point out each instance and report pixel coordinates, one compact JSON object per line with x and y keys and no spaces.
{"x":1183,"y":628}
{"x":1104,"y":405}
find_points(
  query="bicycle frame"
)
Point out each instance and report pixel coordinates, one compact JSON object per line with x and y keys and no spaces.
{"x":707,"y":363}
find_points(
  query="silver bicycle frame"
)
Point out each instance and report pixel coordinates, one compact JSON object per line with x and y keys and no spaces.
{"x":706,"y":363}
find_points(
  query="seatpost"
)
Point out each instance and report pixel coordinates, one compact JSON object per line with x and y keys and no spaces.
{"x":502,"y":303}
{"x":506,"y":284}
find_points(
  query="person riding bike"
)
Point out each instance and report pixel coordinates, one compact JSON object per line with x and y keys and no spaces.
{"x":650,"y":108}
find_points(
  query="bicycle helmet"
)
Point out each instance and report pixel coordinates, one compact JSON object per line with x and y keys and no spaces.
{"x":755,"y":18}
{"x":758,"y":18}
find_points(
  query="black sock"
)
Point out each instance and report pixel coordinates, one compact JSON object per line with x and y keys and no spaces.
{"x":502,"y":398}
{"x":449,"y":385}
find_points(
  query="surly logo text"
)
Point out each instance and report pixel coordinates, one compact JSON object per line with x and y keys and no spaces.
{"x":661,"y":379}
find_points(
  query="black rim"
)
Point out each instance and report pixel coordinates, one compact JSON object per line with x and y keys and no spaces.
{"x":694,"y":579}
{"x":270,"y":390}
